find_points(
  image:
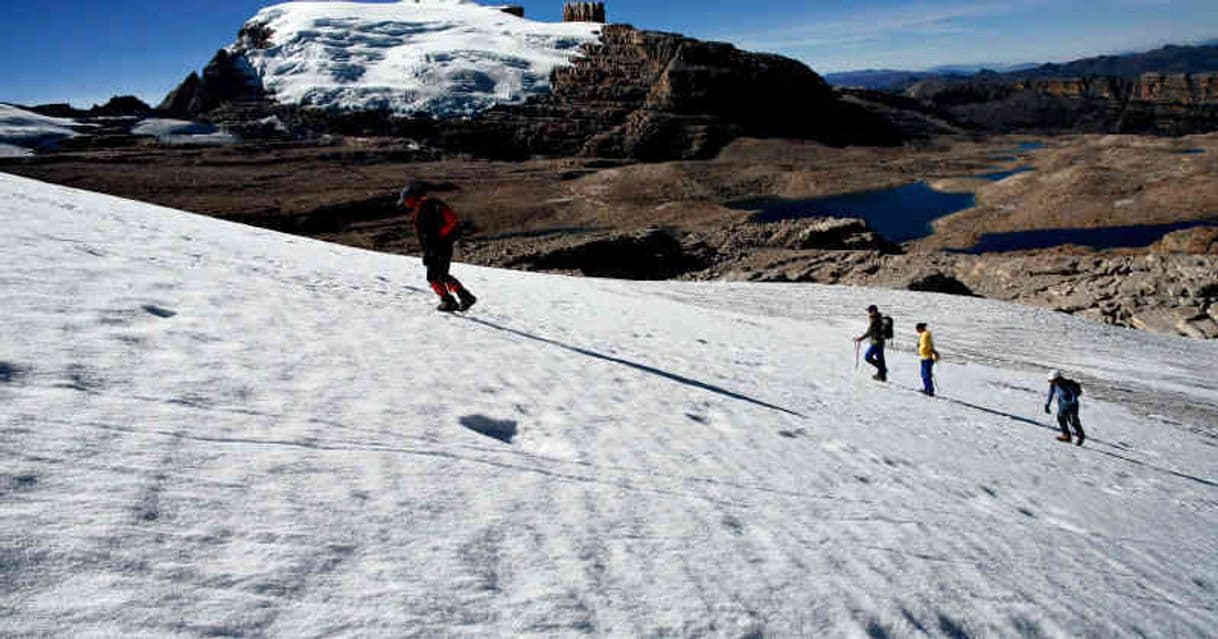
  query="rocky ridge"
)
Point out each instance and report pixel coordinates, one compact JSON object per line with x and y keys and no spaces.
{"x":1153,"y":103}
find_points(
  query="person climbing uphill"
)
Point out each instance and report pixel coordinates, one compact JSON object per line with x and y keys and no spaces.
{"x":435,"y":223}
{"x":1067,"y":392}
{"x":928,"y":354}
{"x":879,"y":328}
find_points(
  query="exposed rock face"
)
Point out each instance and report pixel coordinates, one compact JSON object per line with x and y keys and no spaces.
{"x":824,"y":233}
{"x":911,"y":117}
{"x":226,"y":80}
{"x":583,"y":12}
{"x":1152,"y":103}
{"x":117,"y":106}
{"x":652,"y":96}
{"x":938,"y":282}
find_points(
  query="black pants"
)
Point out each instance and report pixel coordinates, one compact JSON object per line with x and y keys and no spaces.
{"x":1068,"y":417}
{"x":438,"y":259}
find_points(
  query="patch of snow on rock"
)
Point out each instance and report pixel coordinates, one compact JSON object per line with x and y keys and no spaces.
{"x":173,"y":132}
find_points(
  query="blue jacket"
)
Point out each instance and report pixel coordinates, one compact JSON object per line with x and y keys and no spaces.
{"x":1067,"y":394}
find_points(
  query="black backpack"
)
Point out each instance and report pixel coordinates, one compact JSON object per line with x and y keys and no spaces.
{"x":1072,"y":388}
{"x":886,"y":325}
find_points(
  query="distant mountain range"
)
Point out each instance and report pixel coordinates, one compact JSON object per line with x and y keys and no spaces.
{"x":1168,"y":59}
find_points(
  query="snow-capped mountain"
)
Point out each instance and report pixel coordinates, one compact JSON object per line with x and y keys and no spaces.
{"x":21,"y":130}
{"x":445,"y":57}
{"x":214,"y":430}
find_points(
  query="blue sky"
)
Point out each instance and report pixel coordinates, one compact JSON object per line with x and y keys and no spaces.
{"x":84,"y":51}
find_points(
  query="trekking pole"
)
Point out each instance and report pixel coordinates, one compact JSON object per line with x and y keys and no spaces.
{"x":857,"y":345}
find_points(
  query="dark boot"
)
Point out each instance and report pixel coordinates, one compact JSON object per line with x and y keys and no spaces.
{"x":467,"y":299}
{"x":448,"y":304}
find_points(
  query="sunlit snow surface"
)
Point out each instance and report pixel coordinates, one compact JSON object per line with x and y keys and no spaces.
{"x":12,"y":151}
{"x":443,"y":57}
{"x":214,"y":430}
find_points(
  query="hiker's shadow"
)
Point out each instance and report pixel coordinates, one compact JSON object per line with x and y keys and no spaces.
{"x":1032,"y":422}
{"x":681,"y":379}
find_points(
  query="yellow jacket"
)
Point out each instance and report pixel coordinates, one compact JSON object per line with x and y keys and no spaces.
{"x":926,"y":346}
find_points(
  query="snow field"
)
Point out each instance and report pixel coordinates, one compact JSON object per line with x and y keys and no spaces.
{"x":209,"y":429}
{"x":451,"y":59}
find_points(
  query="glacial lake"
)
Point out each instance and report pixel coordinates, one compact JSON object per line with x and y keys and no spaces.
{"x":1099,"y":238}
{"x":899,"y":214}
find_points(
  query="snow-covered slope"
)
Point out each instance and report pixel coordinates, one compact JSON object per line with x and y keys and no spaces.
{"x":446,"y":57}
{"x":26,"y":129}
{"x":214,"y":430}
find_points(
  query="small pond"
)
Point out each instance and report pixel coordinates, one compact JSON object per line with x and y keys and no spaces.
{"x":1098,"y":238}
{"x":997,"y":176}
{"x":1189,"y":151}
{"x":900,"y":214}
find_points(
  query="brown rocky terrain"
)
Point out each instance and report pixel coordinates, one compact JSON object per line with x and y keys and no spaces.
{"x":1092,"y":181}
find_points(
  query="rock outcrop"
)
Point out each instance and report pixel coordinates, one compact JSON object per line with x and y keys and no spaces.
{"x":1202,"y":240}
{"x":583,"y":12}
{"x":651,"y":254}
{"x":226,"y":80}
{"x":119,"y":106}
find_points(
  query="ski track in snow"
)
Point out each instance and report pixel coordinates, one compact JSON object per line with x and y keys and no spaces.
{"x":214,"y":430}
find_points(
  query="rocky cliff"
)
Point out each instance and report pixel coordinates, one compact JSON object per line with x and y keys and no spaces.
{"x":1154,"y":103}
{"x":652,"y":96}
{"x":226,"y":80}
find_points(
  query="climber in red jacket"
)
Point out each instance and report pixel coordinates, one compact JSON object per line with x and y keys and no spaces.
{"x":435,"y":223}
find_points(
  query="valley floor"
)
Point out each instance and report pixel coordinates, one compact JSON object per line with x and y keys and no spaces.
{"x":208,"y":429}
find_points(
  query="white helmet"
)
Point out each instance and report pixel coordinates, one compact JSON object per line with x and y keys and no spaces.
{"x":1055,"y":375}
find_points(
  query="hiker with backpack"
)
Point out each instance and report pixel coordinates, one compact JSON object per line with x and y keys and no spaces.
{"x":1067,"y":392}
{"x":879,"y":329}
{"x":928,"y":355}
{"x":435,"y":223}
